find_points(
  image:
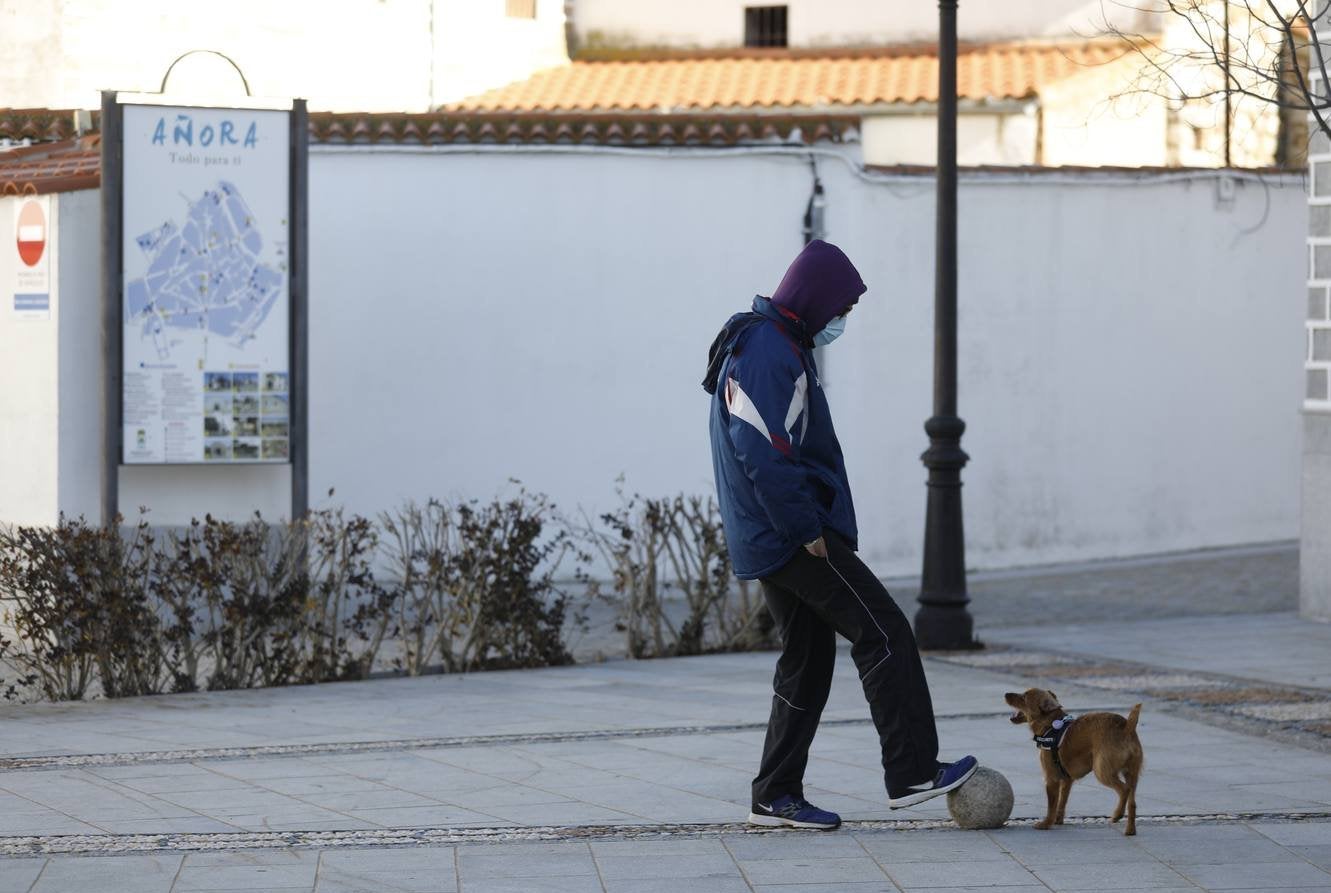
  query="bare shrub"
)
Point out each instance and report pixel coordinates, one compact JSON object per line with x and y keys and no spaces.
{"x":656,"y":548}
{"x":237,"y":593}
{"x":217,"y":605}
{"x":349,"y":612}
{"x":78,"y":600}
{"x":478,"y":583}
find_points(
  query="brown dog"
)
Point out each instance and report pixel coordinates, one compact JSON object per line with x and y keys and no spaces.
{"x":1071,"y":746}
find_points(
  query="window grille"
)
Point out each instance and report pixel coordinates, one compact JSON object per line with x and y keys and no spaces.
{"x":765,"y":26}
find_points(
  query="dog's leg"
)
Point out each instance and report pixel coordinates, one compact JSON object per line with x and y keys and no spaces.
{"x":1064,"y":788}
{"x":1123,"y":793}
{"x":1051,"y":794}
{"x":1131,"y":774}
{"x":1109,"y":778}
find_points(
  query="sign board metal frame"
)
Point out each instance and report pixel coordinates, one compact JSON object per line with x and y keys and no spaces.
{"x":112,"y":213}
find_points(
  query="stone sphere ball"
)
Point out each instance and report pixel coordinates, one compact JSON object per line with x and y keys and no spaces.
{"x":984,"y":801}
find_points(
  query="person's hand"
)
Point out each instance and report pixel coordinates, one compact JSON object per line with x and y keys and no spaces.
{"x":817,"y":548}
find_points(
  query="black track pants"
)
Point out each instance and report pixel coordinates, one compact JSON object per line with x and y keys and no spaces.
{"x":812,"y":600}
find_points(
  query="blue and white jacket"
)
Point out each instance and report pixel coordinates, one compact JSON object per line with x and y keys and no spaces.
{"x":780,"y":475}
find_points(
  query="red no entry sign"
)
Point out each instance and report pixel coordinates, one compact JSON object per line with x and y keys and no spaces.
{"x":31,"y":233}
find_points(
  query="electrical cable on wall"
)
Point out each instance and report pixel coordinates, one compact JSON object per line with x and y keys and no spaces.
{"x":814,"y":227}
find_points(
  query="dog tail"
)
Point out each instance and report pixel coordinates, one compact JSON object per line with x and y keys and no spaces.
{"x":1133,"y":714}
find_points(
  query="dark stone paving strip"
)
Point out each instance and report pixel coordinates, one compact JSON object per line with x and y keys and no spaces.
{"x":136,"y":844}
{"x":133,"y":758}
{"x":1300,"y":715}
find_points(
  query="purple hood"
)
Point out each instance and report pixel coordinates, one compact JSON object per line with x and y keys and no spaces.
{"x":820,"y":284}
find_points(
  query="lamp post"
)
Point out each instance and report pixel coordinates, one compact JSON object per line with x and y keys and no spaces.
{"x":942,"y":620}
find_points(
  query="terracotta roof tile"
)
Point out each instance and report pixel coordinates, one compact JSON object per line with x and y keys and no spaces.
{"x":39,"y":125}
{"x":632,"y":129}
{"x":792,"y":79}
{"x":473,"y":127}
{"x":52,"y":167}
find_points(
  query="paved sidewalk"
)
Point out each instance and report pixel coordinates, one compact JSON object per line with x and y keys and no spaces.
{"x":1279,"y":648}
{"x":1237,"y":580}
{"x":633,"y":776}
{"x":1247,"y":856}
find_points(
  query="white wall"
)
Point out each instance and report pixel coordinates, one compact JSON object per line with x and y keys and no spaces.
{"x":28,"y":396}
{"x":982,"y":138}
{"x":349,"y":55}
{"x":1098,"y":117}
{"x":1122,"y":372}
{"x":1128,"y":346}
{"x":479,"y":48}
{"x":79,"y":363}
{"x":713,"y":23}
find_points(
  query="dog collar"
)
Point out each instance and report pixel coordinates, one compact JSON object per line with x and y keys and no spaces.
{"x":1053,"y":737}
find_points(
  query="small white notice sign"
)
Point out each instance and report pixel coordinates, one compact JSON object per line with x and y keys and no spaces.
{"x":30,"y":295}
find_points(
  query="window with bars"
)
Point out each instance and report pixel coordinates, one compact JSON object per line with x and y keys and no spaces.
{"x":520,"y":9}
{"x":765,"y":26}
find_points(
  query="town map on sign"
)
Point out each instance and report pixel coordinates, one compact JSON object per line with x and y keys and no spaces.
{"x":205,"y":275}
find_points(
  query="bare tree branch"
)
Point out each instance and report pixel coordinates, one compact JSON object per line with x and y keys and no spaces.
{"x":1266,"y":52}
{"x":1304,"y":88}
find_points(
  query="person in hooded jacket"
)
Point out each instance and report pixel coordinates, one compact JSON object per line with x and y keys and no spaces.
{"x":790,"y":523}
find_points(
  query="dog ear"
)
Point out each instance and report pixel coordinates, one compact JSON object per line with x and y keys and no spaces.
{"x":1049,"y":702}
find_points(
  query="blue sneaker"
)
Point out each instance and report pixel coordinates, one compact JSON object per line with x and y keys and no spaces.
{"x":795,"y":812}
{"x":950,"y":777}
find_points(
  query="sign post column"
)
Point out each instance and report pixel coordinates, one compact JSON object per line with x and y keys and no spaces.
{"x":112,"y":187}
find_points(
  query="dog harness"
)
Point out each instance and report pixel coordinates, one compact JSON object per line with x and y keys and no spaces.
{"x":1052,"y":738}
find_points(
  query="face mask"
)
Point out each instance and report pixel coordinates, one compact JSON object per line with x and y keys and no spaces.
{"x":831,"y":332}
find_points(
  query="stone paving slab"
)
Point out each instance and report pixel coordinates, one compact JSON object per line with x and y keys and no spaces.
{"x":625,"y":776}
{"x":1239,"y":580}
{"x":1277,"y":647}
{"x":1010,"y":859}
{"x":1297,"y":716}
{"x":621,"y":697}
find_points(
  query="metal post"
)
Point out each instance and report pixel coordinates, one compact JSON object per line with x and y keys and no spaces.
{"x":298,"y":374}
{"x":112,"y":190}
{"x":943,"y":621}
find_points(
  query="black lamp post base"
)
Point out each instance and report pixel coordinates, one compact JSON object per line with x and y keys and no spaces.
{"x":945,"y":628}
{"x":943,"y":623}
